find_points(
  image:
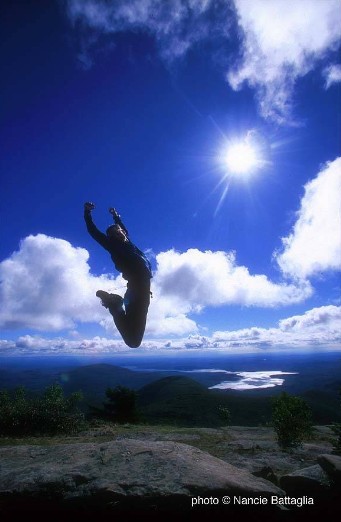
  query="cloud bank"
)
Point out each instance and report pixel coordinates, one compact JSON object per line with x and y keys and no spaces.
{"x":317,"y":328}
{"x":277,"y":44}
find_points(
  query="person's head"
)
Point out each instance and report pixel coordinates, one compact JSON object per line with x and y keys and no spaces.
{"x":117,"y":232}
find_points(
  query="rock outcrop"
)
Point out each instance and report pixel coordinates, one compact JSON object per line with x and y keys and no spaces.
{"x":321,"y":482}
{"x":123,"y":474}
{"x":312,"y":480}
{"x":155,"y":472}
{"x":331,"y":464}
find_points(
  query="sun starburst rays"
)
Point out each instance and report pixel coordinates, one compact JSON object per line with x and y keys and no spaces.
{"x":241,"y":160}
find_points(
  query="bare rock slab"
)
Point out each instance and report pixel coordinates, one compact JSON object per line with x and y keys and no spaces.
{"x":121,"y":474}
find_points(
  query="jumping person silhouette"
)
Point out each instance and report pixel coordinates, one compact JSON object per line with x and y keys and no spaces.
{"x":130,"y":312}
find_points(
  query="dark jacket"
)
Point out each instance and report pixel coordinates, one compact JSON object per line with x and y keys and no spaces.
{"x":127,"y":258}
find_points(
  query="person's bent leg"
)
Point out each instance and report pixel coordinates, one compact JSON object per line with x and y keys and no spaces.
{"x":131,"y":326}
{"x":136,"y":325}
{"x":131,"y":322}
{"x":119,"y":317}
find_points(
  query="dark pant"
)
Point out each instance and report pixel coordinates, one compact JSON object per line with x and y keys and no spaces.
{"x":131,"y":322}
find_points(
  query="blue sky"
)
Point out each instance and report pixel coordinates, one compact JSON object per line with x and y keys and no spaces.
{"x":137,"y":104}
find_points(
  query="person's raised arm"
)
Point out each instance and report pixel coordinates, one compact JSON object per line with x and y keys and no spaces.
{"x":92,"y":229}
{"x":117,"y":219}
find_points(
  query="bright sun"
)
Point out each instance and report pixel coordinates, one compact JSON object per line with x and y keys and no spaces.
{"x":241,"y":158}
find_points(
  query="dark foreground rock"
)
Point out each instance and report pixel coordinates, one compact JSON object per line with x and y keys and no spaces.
{"x":320,"y":482}
{"x":331,"y":464}
{"x":123,"y":475}
{"x":312,"y":480}
{"x":134,"y":472}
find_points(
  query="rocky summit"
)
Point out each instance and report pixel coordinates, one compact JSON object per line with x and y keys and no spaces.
{"x":122,"y":474}
{"x":155,"y":474}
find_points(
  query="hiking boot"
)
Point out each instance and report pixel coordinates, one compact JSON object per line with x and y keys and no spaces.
{"x":113,"y":302}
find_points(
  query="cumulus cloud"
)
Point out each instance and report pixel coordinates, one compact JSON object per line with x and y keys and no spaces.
{"x":192,"y":280}
{"x":278,"y":44}
{"x":47,"y":285}
{"x":282,"y":43}
{"x":315,"y":243}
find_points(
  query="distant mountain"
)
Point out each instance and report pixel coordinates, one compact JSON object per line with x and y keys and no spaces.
{"x":34,"y":380}
{"x":183,"y":401}
{"x":94,"y":379}
{"x":178,"y":400}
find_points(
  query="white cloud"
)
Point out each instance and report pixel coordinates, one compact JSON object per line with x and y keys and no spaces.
{"x":185,"y":283}
{"x":318,"y":328}
{"x":315,"y":243}
{"x":193,"y":279}
{"x":39,"y":345}
{"x":317,"y":319}
{"x":165,"y":320}
{"x":332,"y":75}
{"x":281,"y":43}
{"x":47,"y":285}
